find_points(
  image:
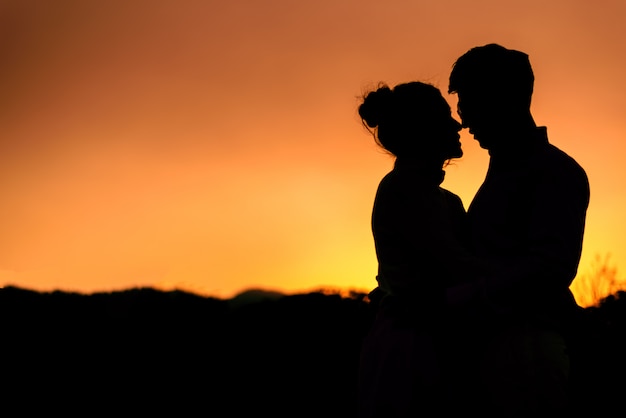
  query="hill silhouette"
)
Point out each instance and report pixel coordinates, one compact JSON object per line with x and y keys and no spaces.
{"x":144,"y":351}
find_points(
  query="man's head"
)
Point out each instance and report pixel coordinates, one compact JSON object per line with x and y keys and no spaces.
{"x":494,"y":86}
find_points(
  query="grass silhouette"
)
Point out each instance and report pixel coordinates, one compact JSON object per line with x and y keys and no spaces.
{"x":600,"y":281}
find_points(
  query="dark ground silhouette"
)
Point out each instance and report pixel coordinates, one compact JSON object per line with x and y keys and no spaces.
{"x":144,"y":351}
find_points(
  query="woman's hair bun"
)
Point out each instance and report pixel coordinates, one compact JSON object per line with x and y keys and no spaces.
{"x":375,"y":106}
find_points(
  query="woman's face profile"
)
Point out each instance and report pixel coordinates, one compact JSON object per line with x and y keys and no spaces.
{"x":451,"y":141}
{"x":444,"y":132}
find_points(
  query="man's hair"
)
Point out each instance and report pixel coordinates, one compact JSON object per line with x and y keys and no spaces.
{"x":492,"y":69}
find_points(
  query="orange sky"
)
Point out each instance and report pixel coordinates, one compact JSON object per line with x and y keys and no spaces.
{"x":214,"y":146}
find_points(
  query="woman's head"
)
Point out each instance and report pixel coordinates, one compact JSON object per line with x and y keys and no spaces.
{"x":412,"y":120}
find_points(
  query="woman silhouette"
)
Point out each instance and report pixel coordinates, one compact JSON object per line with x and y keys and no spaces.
{"x":420,"y":241}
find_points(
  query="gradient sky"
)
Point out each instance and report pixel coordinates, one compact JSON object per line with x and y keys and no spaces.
{"x":214,"y":146}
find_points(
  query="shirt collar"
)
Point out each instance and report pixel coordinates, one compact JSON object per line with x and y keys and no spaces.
{"x":519,"y":154}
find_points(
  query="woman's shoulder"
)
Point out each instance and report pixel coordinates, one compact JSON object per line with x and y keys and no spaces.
{"x":450,"y":195}
{"x":399,"y":182}
{"x":452,"y":200}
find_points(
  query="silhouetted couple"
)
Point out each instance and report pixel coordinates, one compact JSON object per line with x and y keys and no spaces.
{"x":472,"y":306}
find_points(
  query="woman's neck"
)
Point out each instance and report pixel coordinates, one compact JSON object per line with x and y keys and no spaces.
{"x":429,"y":171}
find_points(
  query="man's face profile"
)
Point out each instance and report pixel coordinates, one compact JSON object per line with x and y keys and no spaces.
{"x":480,"y":113}
{"x":472,"y":114}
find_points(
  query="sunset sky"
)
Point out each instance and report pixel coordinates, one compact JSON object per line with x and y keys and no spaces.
{"x":214,"y":146}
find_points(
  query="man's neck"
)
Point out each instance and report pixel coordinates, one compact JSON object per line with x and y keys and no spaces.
{"x":518,"y":143}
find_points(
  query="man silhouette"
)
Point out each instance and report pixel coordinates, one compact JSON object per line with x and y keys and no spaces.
{"x":527,"y":221}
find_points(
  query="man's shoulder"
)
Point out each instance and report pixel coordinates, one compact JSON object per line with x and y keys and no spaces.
{"x":557,"y":159}
{"x":561,"y":168}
